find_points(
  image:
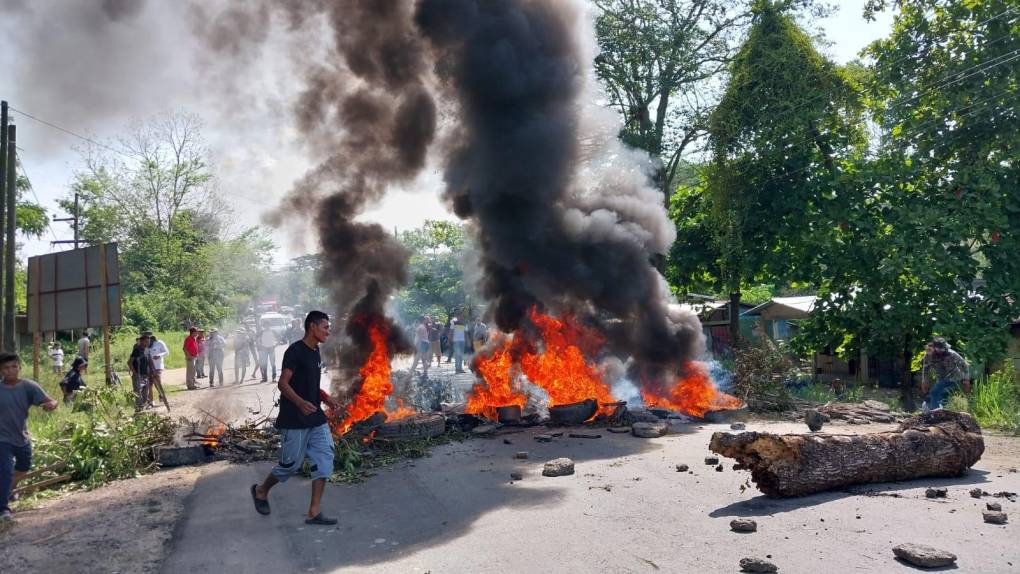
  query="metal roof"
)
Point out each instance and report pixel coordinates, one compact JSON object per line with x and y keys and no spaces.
{"x":803,"y":304}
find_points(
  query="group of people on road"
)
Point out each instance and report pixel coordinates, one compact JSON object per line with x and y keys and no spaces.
{"x":198,"y":350}
{"x":435,"y":340}
{"x":259,"y":346}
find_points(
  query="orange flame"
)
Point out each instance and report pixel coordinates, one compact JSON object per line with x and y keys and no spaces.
{"x":376,"y":384}
{"x":560,"y":367}
{"x":694,"y":394}
{"x":495,"y":368}
{"x":212,"y":435}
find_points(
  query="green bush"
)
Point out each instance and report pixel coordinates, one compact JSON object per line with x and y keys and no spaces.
{"x":994,"y":401}
{"x":101,"y":438}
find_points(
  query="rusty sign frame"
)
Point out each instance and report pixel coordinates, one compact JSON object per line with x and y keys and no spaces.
{"x":65,"y":289}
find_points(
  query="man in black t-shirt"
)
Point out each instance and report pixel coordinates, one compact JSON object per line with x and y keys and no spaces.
{"x":304,"y":431}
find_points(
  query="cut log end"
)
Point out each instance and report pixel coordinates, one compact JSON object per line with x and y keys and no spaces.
{"x":939,"y":443}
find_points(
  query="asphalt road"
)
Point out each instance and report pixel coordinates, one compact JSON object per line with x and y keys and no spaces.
{"x":626,"y":509}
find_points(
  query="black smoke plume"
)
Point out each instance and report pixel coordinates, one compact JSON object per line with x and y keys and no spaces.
{"x":565,"y":223}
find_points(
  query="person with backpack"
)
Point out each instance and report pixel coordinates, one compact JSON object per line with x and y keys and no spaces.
{"x":74,"y":380}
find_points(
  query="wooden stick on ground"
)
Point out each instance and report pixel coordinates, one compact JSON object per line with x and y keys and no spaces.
{"x":940,"y":443}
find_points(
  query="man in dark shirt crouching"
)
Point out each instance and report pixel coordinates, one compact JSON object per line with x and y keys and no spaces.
{"x":304,"y":431}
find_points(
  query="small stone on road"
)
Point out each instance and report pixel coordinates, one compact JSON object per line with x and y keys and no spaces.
{"x":516,"y":476}
{"x":936,"y":492}
{"x":994,"y":517}
{"x":993,"y":506}
{"x":924,"y":556}
{"x":558,"y":467}
{"x":757,"y":565}
{"x":738,"y":426}
{"x":522,"y":455}
{"x":649,"y":430}
{"x":682,"y":468}
{"x":712,"y":460}
{"x":743,"y":525}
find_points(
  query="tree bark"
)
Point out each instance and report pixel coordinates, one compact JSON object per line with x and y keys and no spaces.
{"x":734,"y":319}
{"x":937,"y":444}
{"x":907,"y":385}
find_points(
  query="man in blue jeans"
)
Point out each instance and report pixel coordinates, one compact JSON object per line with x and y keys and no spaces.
{"x":947,"y":369}
{"x":304,"y":431}
{"x":17,"y":395}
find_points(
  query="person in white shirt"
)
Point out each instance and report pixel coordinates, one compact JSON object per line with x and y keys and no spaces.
{"x":156,"y":352}
{"x":459,"y":337}
{"x":267,"y":352}
{"x":421,"y":347}
{"x":84,"y":346}
{"x":57,"y":356}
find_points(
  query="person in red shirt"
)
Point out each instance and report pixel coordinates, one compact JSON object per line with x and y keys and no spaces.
{"x":191,"y":357}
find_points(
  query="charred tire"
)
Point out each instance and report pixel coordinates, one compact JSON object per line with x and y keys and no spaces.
{"x":414,"y":427}
{"x":574,"y":413}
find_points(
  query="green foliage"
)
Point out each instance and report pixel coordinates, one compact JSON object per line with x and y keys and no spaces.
{"x":179,"y":265}
{"x":437,"y":284}
{"x":994,"y":401}
{"x":924,"y":241}
{"x":787,"y":123}
{"x":101,"y":438}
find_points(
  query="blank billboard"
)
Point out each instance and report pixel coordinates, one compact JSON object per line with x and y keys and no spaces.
{"x":65,"y":289}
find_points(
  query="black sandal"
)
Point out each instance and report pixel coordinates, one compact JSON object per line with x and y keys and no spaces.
{"x":320,"y":519}
{"x":261,"y":506}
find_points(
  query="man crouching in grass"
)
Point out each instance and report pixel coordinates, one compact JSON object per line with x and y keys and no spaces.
{"x":16,"y":396}
{"x":302,"y":423}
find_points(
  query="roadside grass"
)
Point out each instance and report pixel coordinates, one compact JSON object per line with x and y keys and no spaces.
{"x":823,"y":393}
{"x":994,"y":402}
{"x":121,"y":343}
{"x":99,"y":437}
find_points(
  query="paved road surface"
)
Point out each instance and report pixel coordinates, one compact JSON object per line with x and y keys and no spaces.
{"x":625,"y":510}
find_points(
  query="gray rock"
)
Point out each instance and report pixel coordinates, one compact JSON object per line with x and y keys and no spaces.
{"x":682,"y":468}
{"x":543,"y":438}
{"x":718,"y":468}
{"x":712,"y":460}
{"x":814,"y":420}
{"x":738,"y":426}
{"x":516,"y":475}
{"x":642,"y":416}
{"x":649,"y":430}
{"x":558,"y":467}
{"x":619,"y":430}
{"x":977,"y":493}
{"x":936,"y":492}
{"x":743,"y":525}
{"x":757,"y":565}
{"x":994,"y":517}
{"x":994,"y":506}
{"x":924,"y":556}
{"x":522,"y":455}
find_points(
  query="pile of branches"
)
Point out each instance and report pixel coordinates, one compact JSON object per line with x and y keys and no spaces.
{"x":761,"y":372}
{"x":249,"y":441}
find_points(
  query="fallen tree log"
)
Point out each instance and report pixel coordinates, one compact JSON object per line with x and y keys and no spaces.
{"x":939,"y":443}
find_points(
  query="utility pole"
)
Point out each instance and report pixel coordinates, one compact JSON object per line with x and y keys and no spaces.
{"x":74,"y":224}
{"x":10,"y":334}
{"x":3,"y":195}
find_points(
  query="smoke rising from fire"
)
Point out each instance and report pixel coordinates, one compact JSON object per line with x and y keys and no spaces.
{"x":567,"y":217}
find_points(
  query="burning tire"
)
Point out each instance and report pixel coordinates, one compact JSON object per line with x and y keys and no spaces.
{"x":574,"y":413}
{"x":413,"y":427}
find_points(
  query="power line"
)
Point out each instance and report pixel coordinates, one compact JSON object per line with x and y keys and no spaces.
{"x":21,"y":165}
{"x":67,"y":131}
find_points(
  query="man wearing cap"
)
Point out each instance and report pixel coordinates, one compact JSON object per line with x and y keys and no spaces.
{"x":949,"y":371}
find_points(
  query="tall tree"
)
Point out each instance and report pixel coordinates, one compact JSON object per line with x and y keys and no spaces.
{"x":787,"y":123}
{"x":658,"y":61}
{"x":930,"y":233}
{"x":437,"y":285}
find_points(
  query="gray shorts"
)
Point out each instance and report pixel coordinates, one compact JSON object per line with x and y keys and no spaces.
{"x":315,"y":443}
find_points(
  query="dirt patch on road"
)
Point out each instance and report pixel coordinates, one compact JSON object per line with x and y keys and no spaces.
{"x":121,"y":527}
